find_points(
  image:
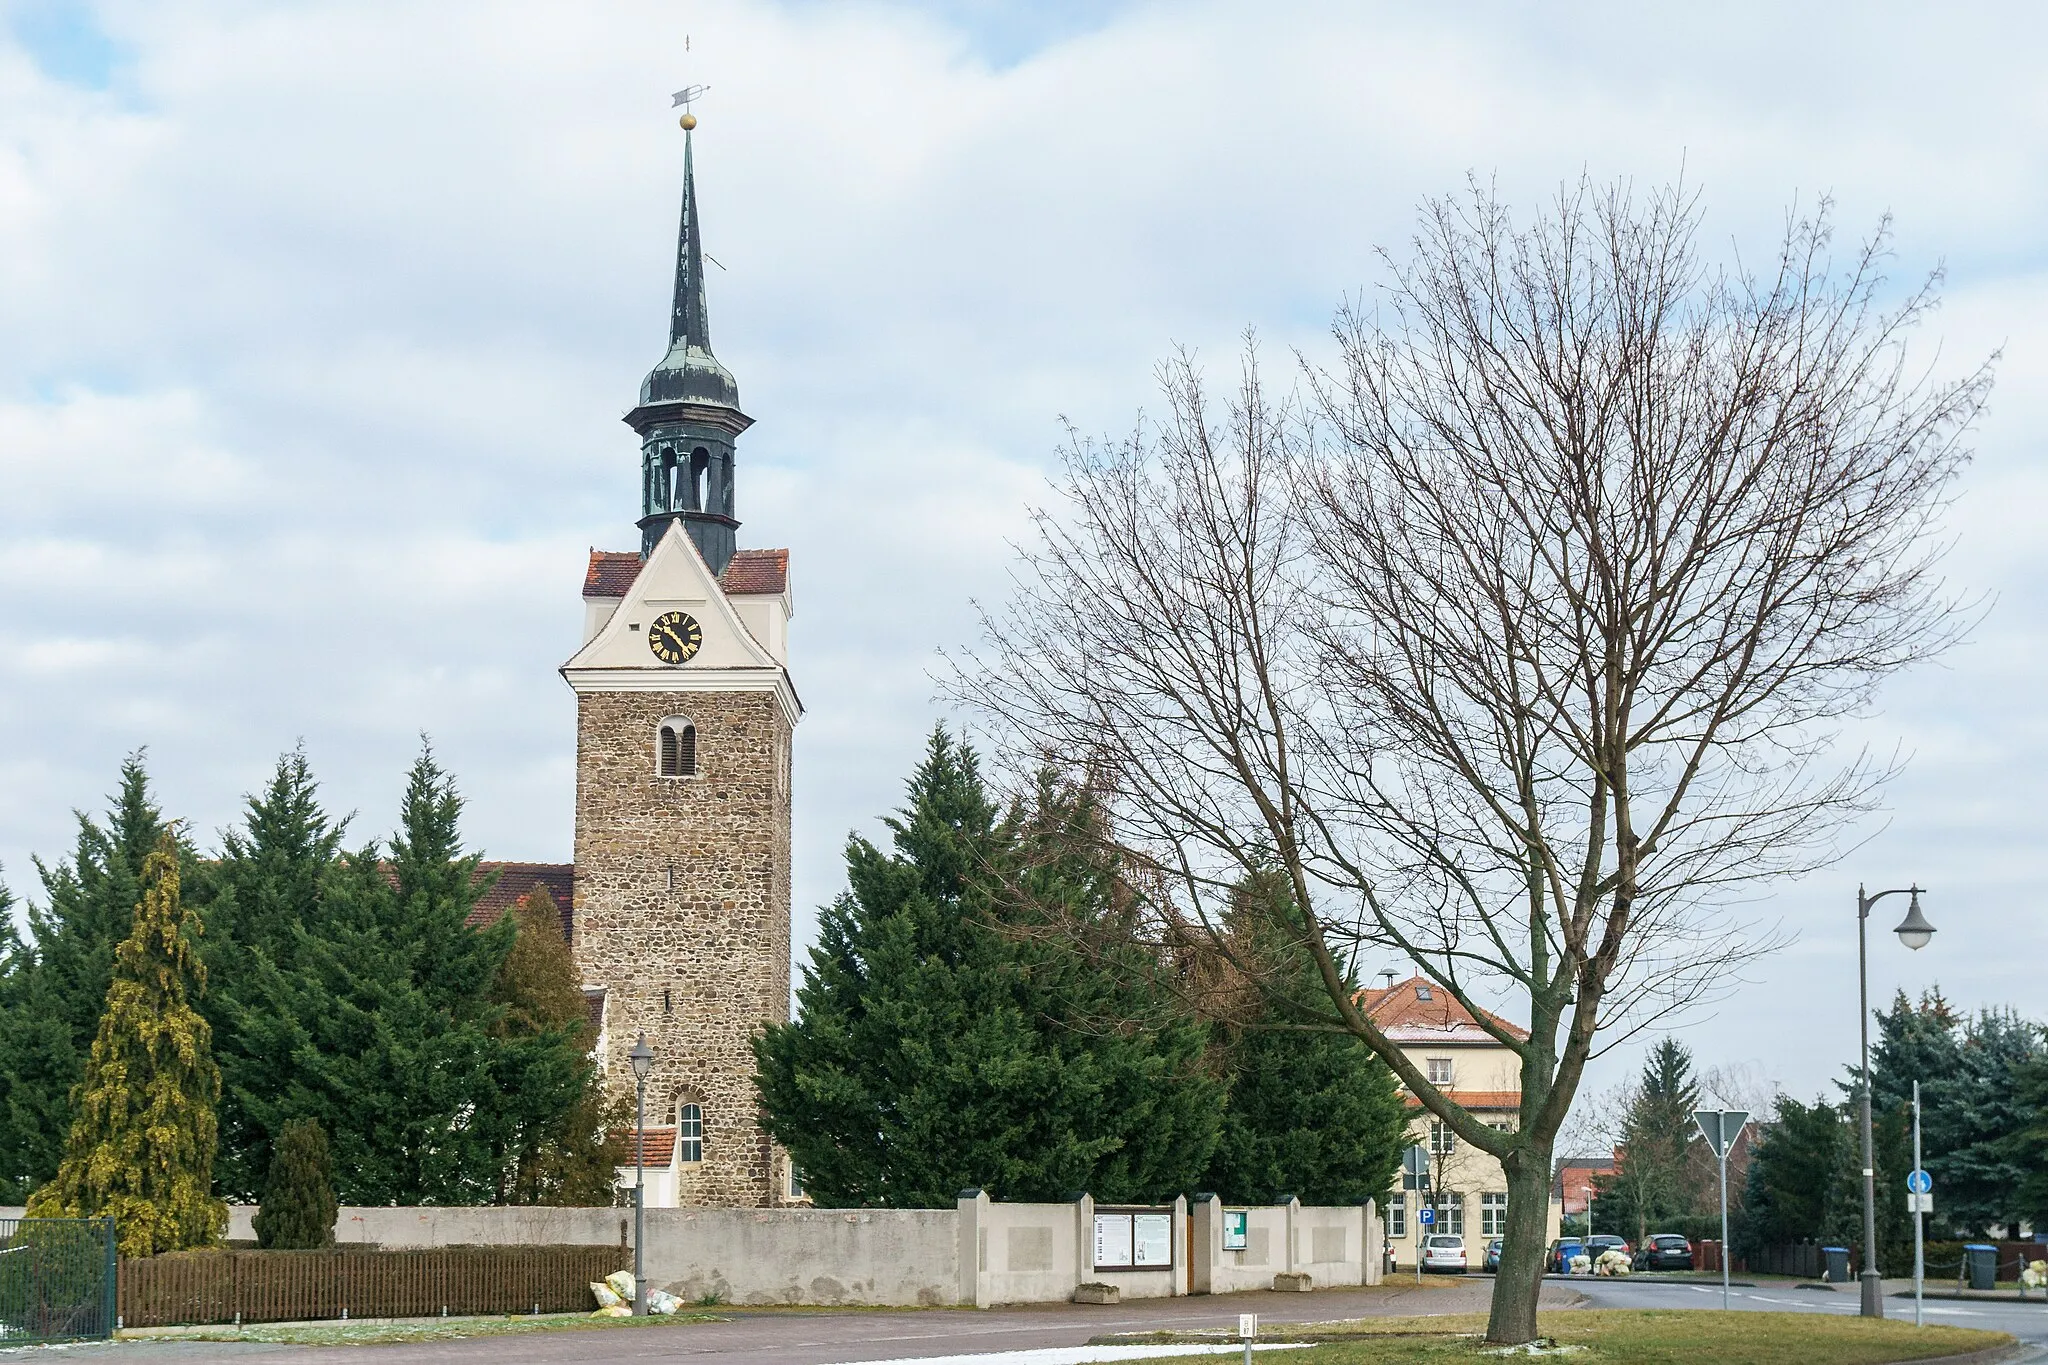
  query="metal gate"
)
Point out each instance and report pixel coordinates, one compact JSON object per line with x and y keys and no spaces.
{"x":57,"y":1279}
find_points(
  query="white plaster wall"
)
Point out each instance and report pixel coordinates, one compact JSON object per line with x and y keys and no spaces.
{"x":818,"y":1256}
{"x":1024,"y":1253}
{"x":1329,"y":1244}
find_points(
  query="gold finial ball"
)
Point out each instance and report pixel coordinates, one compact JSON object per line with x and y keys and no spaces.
{"x":689,"y":121}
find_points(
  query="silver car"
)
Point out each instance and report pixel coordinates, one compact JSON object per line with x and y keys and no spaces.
{"x":1444,"y":1252}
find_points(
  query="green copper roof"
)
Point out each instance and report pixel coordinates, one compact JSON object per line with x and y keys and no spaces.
{"x":689,"y":373}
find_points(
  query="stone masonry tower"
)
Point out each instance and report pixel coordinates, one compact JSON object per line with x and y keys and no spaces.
{"x":684,"y":715}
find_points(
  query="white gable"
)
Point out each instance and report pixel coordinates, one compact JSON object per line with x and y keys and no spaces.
{"x":676,"y":578}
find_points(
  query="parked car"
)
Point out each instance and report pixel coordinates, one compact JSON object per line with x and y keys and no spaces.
{"x":1444,"y":1252}
{"x":1491,"y":1263}
{"x":1605,"y":1241}
{"x":1561,"y":1253}
{"x":1664,"y":1251}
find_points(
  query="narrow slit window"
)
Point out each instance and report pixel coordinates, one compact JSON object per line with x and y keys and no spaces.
{"x":690,"y":1133}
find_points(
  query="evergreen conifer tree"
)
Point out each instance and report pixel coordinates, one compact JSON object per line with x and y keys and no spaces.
{"x":141,"y":1146}
{"x":1792,"y":1169}
{"x":936,"y":1050}
{"x":390,"y":1027}
{"x":1650,"y":1184}
{"x":1310,"y":1111}
{"x":52,"y":995}
{"x":553,"y":1128}
{"x":266,"y":888}
{"x":299,"y":1206}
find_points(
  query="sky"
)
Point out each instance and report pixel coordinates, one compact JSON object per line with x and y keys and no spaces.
{"x":317,"y":321}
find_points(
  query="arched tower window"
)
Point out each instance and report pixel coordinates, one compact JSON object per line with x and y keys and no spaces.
{"x":676,"y":748}
{"x":689,"y":1133}
{"x":700,"y":470}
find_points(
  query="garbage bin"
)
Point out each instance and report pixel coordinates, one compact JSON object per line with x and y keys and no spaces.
{"x":1837,"y":1271}
{"x":1982,"y":1262}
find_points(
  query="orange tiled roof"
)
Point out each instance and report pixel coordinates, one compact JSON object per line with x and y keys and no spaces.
{"x":756,"y":573}
{"x":516,"y":880}
{"x":752,"y":573}
{"x":661,"y":1146}
{"x":1475,"y":1099}
{"x":611,"y":572}
{"x":1419,"y":1010}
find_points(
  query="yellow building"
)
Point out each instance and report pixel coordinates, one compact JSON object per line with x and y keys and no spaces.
{"x":1467,"y":1188}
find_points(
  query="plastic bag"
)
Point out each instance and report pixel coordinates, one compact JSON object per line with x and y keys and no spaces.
{"x":605,"y":1297}
{"x":661,"y":1301}
{"x":621,"y":1282}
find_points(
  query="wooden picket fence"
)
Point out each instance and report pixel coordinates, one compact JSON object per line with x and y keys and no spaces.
{"x":191,"y":1288}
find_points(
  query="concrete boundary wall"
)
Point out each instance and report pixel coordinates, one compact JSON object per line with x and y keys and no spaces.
{"x":980,"y":1252}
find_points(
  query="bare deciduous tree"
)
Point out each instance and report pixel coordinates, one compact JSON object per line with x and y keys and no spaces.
{"x":1519,"y":644}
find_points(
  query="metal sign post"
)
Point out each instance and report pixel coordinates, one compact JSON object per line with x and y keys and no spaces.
{"x":1425,"y":1218}
{"x":1920,"y":1194}
{"x":1247,"y":1327}
{"x":1720,"y":1127}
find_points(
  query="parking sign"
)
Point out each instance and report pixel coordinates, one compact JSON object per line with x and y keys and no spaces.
{"x":1426,"y":1217}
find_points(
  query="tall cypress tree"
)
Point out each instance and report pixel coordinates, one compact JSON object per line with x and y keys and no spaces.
{"x":299,"y":1206}
{"x":934,"y":1051}
{"x":141,"y":1146}
{"x":1311,"y":1111}
{"x":266,"y":888}
{"x":1792,"y":1169}
{"x":390,"y":1017}
{"x":52,"y":996}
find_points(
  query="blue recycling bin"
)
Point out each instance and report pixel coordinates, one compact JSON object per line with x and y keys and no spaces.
{"x":1837,"y":1265}
{"x":1982,"y":1261}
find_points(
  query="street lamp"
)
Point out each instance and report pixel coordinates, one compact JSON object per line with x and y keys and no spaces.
{"x":642,"y":1058}
{"x":1915,"y":932}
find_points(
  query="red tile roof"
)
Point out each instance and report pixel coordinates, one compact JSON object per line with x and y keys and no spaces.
{"x":1405,"y":1015}
{"x":611,"y":572}
{"x":752,"y":573}
{"x":1476,"y":1099}
{"x":516,"y":880}
{"x":756,"y":573}
{"x":661,"y":1146}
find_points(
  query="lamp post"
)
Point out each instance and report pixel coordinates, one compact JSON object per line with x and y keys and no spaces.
{"x":642,"y":1058}
{"x":1914,"y":931}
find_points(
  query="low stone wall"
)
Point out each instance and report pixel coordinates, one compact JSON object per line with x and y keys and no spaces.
{"x":820,"y":1256}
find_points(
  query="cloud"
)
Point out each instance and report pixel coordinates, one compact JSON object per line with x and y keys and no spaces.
{"x":320,"y":318}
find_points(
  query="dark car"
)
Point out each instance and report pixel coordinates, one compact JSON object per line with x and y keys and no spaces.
{"x":1664,"y":1251}
{"x":1559,"y":1261}
{"x":1601,"y":1242}
{"x":1491,"y":1262}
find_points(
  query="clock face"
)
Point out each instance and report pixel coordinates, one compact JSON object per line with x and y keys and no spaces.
{"x":674,"y":637}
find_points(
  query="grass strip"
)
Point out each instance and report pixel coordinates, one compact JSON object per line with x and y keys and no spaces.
{"x":1638,"y":1336}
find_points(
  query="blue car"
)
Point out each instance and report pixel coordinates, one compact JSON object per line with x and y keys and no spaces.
{"x":1492,"y":1261}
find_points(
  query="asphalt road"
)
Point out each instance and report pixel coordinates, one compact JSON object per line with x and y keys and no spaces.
{"x":828,"y":1338}
{"x":846,"y":1338}
{"x":2027,"y":1321}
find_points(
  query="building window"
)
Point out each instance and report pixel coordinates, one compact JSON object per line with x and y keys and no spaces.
{"x":1442,"y":1141}
{"x":1397,"y":1215}
{"x":796,"y":1182}
{"x":678,"y":748}
{"x":1450,"y":1214}
{"x":1439,"y":1071}
{"x":690,"y":1133}
{"x":1501,"y":1125}
{"x":1493,"y":1215}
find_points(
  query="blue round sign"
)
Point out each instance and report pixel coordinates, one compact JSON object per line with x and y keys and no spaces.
{"x":1919,"y":1182}
{"x":1426,"y":1217}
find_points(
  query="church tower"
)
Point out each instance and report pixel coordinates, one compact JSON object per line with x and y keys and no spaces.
{"x":684,"y":716}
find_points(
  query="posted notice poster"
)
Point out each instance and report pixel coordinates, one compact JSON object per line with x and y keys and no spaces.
{"x":1113,"y":1241}
{"x":1152,"y":1240}
{"x":1234,"y":1229}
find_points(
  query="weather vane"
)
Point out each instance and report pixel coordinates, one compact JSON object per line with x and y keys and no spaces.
{"x":683,"y":99}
